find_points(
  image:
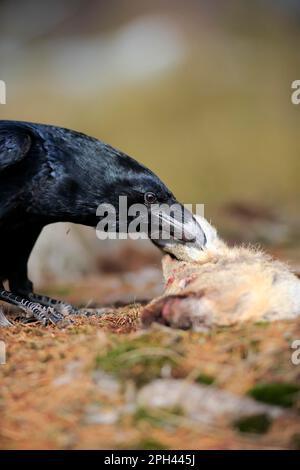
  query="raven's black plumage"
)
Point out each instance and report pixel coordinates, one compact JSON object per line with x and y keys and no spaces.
{"x":50,"y":174}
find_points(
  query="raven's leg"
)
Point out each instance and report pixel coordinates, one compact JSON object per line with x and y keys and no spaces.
{"x":21,"y":288}
{"x":59,"y":305}
{"x":21,"y":285}
{"x":24,"y":287}
{"x":43,"y":314}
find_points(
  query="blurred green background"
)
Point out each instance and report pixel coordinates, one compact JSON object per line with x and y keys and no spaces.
{"x":199,"y":91}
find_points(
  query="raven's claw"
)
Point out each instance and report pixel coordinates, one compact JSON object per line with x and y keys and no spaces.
{"x":33,"y":309}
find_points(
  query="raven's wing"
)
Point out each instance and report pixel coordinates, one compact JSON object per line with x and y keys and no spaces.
{"x":13,"y":147}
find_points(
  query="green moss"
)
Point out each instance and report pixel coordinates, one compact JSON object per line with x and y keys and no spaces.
{"x":282,"y":394}
{"x":144,"y":414}
{"x":149,"y":444}
{"x":258,"y":424}
{"x":140,"y":359}
{"x":205,"y":379}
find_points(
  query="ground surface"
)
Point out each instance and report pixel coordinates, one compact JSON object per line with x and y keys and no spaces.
{"x":78,"y":387}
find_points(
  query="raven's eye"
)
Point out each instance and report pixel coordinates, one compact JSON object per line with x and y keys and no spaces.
{"x":150,"y":198}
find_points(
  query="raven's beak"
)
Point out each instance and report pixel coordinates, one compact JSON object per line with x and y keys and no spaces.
{"x":174,"y":224}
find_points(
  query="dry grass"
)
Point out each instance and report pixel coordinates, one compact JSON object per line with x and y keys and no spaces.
{"x":51,"y":398}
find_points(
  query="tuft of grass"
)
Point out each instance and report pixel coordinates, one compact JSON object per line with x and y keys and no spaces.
{"x":282,"y":394}
{"x":258,"y":424}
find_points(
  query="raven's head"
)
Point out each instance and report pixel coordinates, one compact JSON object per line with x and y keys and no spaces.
{"x":151,"y":207}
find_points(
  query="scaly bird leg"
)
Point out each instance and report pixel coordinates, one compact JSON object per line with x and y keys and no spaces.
{"x":59,"y":305}
{"x":64,"y":307}
{"x":41,"y":313}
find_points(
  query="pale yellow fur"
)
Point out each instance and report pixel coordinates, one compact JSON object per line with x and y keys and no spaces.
{"x":237,"y":283}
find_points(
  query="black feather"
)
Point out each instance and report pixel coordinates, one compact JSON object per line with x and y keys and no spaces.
{"x":50,"y":174}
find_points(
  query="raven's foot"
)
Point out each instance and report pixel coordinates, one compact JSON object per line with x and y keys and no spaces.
{"x":59,"y":305}
{"x":43,"y":314}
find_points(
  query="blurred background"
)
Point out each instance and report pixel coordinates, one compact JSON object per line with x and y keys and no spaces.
{"x":199,"y":91}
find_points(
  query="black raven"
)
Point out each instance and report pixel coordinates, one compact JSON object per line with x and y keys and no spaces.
{"x":51,"y":174}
